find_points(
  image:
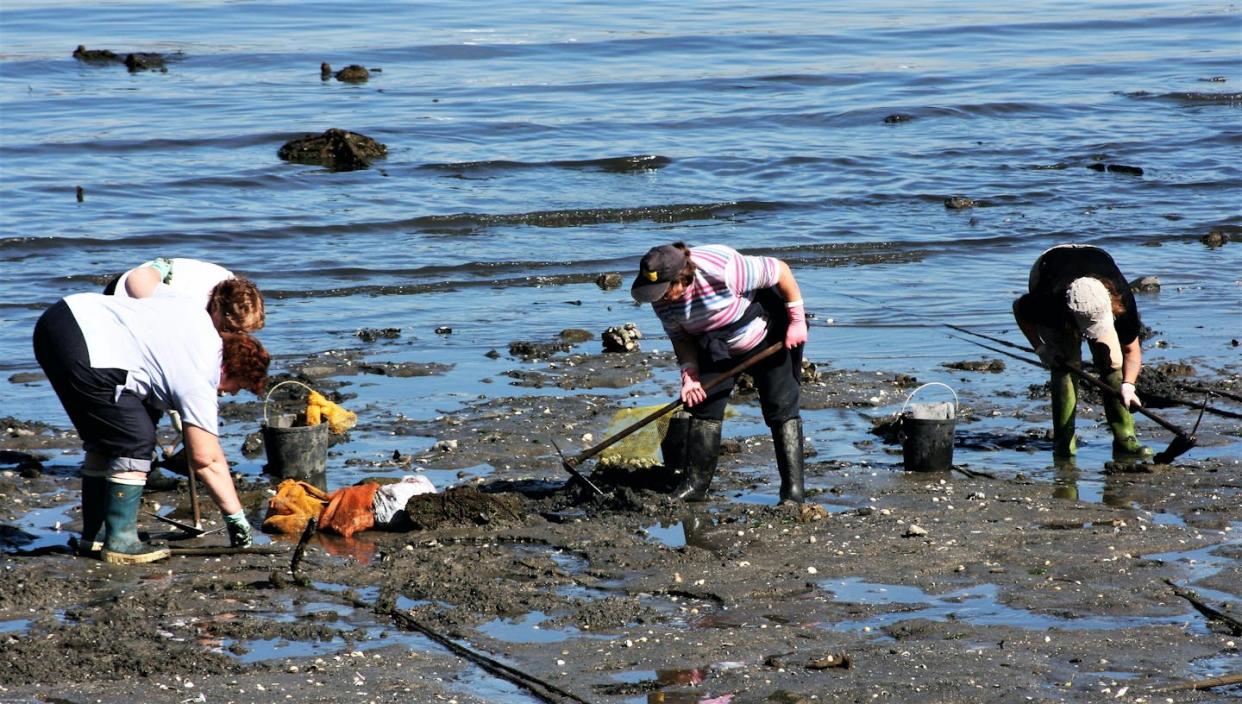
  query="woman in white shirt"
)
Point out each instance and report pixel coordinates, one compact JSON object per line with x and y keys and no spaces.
{"x":234,"y":302}
{"x":111,"y":361}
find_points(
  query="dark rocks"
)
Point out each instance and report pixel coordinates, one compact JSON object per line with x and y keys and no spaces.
{"x":336,"y":149}
{"x":537,"y":350}
{"x":576,"y":336}
{"x":1215,"y":238}
{"x":622,"y":338}
{"x":1116,"y":168}
{"x":353,"y":74}
{"x":1145,"y":284}
{"x":608,"y":281}
{"x":134,"y":61}
{"x":97,"y":56}
{"x":373,"y":334}
{"x":1214,"y":79}
{"x":958,"y":203}
{"x":897,"y":118}
{"x":993,"y":366}
{"x":27,"y":377}
{"x":145,"y":61}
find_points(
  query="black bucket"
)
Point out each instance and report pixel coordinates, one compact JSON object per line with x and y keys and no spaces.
{"x":299,"y":452}
{"x":927,"y":433}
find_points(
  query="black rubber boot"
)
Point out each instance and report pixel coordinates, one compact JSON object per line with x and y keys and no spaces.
{"x":122,"y":545}
{"x":673,"y":449}
{"x":94,"y":508}
{"x":702,"y":455}
{"x":787,"y":438}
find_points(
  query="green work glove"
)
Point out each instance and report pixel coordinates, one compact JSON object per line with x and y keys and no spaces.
{"x":239,"y":530}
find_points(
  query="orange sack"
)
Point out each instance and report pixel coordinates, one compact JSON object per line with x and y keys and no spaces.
{"x":350,"y":509}
{"x":294,"y":504}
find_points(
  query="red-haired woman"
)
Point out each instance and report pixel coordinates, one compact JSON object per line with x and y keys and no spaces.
{"x":111,"y":360}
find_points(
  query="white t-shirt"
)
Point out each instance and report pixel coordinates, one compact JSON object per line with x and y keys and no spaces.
{"x":167,"y":344}
{"x":190,"y":278}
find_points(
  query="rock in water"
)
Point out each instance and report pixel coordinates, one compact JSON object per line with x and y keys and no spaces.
{"x":353,"y":74}
{"x":336,"y":149}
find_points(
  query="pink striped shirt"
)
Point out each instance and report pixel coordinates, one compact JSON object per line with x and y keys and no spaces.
{"x":723,"y":288}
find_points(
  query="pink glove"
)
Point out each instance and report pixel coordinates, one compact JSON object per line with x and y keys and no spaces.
{"x":691,"y":390}
{"x":1129,"y":397}
{"x":796,"y":333}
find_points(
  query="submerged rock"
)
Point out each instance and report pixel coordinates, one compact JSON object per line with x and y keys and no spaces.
{"x":1215,"y":238}
{"x":145,"y":61}
{"x":353,"y":73}
{"x":1117,"y":168}
{"x":336,"y":149}
{"x":897,"y":118}
{"x":958,"y":203}
{"x":97,"y":56}
{"x":1145,"y":284}
{"x":608,"y":281}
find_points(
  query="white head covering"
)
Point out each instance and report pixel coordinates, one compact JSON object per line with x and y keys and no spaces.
{"x":1092,"y":308}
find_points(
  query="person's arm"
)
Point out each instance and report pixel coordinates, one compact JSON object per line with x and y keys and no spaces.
{"x":1131,"y":365}
{"x":142,"y":282}
{"x":687,"y":351}
{"x":207,"y":458}
{"x":787,"y":286}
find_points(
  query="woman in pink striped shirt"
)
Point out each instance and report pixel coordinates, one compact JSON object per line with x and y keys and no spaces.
{"x":719,"y":308}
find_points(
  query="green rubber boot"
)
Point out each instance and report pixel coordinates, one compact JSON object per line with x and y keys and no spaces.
{"x":122,"y":545}
{"x":94,"y":508}
{"x":1125,"y":444}
{"x":1064,"y":402}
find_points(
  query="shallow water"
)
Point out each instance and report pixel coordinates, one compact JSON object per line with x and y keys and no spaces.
{"x":505,"y":190}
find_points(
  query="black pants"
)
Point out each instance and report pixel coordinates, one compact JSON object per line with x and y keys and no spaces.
{"x":778,"y":378}
{"x":109,"y":426}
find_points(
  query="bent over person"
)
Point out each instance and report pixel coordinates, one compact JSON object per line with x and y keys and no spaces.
{"x":719,"y":308}
{"x":1077,"y":293}
{"x":116,"y":362}
{"x":234,"y":302}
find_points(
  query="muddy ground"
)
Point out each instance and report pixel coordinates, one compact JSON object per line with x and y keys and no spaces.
{"x":968,"y":586}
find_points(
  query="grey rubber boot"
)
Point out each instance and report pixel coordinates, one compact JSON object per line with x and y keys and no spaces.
{"x":787,"y":438}
{"x":94,"y":507}
{"x":122,"y":545}
{"x":702,"y":455}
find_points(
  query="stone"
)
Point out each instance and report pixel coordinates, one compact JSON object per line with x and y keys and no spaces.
{"x":622,"y":338}
{"x":336,"y":149}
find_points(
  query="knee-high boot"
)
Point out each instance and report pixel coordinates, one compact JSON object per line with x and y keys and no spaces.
{"x":1121,"y":422}
{"x":94,"y":508}
{"x":788,"y":441}
{"x":702,"y":455}
{"x":122,"y":545}
{"x":1064,"y":402}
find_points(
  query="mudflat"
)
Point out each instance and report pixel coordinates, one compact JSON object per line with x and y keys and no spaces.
{"x":964,"y":586}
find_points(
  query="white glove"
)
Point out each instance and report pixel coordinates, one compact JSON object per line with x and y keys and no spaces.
{"x":1129,"y":397}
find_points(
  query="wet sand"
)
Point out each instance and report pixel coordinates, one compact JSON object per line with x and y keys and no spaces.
{"x":965,"y":586}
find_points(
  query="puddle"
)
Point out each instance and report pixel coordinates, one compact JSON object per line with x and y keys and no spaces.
{"x":975,"y":605}
{"x":46,"y":526}
{"x":1226,"y":663}
{"x":480,"y":684}
{"x":1201,"y":563}
{"x":527,"y":629}
{"x":19,"y":624}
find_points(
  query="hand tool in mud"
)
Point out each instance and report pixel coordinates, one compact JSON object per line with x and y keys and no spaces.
{"x":1182,"y":441}
{"x":196,"y":529}
{"x":571,"y":463}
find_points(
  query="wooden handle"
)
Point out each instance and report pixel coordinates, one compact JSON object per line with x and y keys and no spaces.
{"x":673,"y":405}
